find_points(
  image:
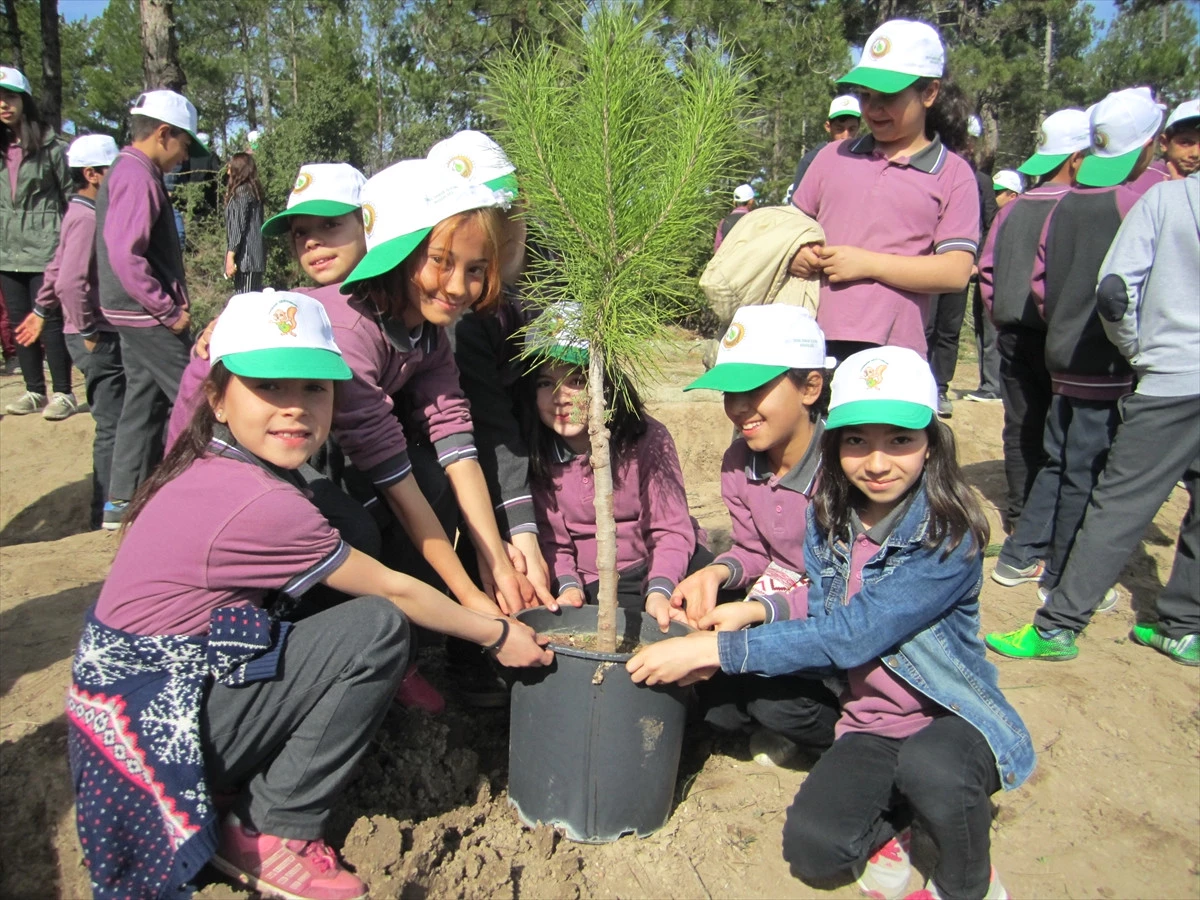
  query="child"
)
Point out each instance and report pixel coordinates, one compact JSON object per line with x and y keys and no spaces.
{"x":184,"y":686}
{"x":142,"y":288}
{"x":245,"y":259}
{"x":1008,"y":185}
{"x":656,"y":538}
{"x":1156,"y":326}
{"x":921,"y":236}
{"x":34,"y":180}
{"x":842,"y":123}
{"x":925,"y":732}
{"x":773,"y":370}
{"x":1180,"y":140}
{"x":1088,"y":375}
{"x":70,"y":291}
{"x":743,"y":202}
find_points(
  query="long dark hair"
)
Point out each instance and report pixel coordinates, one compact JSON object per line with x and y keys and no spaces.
{"x":243,"y":172}
{"x":33,"y":132}
{"x":954,"y":513}
{"x":949,"y":113}
{"x":189,"y":447}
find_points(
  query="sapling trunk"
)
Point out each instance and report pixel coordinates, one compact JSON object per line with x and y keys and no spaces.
{"x":606,"y":525}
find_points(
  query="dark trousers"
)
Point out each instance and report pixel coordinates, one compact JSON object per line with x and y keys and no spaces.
{"x":1025,"y":390}
{"x":985,"y":344}
{"x":839,"y":350}
{"x":942,"y":327}
{"x":288,"y":746}
{"x":8,"y":341}
{"x":801,"y":709}
{"x":865,"y":789}
{"x":1157,"y":444}
{"x":104,"y":380}
{"x":247,"y":281}
{"x":154,"y":360}
{"x":1077,"y":437}
{"x":20,"y":289}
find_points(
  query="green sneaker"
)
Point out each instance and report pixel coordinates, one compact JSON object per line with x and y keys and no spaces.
{"x":1184,"y":650}
{"x":1027,"y":643}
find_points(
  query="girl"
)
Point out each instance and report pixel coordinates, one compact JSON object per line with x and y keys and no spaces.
{"x":34,"y":185}
{"x":245,"y":260}
{"x":184,"y":686}
{"x":925,"y":732}
{"x":880,"y":270}
{"x":656,"y":538}
{"x":771,"y":364}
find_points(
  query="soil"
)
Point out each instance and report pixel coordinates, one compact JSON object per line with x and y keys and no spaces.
{"x":589,"y":642}
{"x":1112,"y":811}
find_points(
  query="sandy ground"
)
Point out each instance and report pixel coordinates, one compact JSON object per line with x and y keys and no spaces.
{"x":1113,"y":810}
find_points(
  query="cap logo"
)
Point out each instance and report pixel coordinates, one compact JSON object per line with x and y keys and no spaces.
{"x":461,"y":165}
{"x":283,"y":314}
{"x":1041,"y":138}
{"x":733,"y":336}
{"x":303,"y":181}
{"x":1099,"y":139}
{"x":872,"y":373}
{"x":368,"y":213}
{"x":880,"y":48}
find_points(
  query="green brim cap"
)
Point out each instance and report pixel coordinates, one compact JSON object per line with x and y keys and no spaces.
{"x":900,"y":413}
{"x":1106,"y":171}
{"x":278,"y":224}
{"x":385,"y":257}
{"x":504,"y":183}
{"x":572,"y":356}
{"x":1042,"y":163}
{"x":882,"y":80}
{"x":288,"y":362}
{"x":735,"y":378}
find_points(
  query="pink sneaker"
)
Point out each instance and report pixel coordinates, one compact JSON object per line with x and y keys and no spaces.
{"x":290,"y":869}
{"x":995,"y":890}
{"x":886,"y":873}
{"x":417,"y":693}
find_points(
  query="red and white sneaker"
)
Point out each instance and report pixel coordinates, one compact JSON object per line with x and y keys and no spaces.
{"x":417,"y":693}
{"x":885,"y":876}
{"x":995,"y":890}
{"x":288,"y":869}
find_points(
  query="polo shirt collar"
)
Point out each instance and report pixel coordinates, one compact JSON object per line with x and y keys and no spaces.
{"x":882,"y":530}
{"x":802,"y":477}
{"x":423,"y":338}
{"x":928,"y":159}
{"x":562,"y":453}
{"x":83,"y":201}
{"x":223,"y":443}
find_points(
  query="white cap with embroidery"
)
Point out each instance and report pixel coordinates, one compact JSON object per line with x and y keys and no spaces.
{"x":884,"y":386}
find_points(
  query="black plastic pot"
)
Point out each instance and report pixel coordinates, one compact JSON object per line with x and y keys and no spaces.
{"x":589,"y":751}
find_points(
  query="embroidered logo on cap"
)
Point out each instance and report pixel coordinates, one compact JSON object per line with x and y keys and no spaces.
{"x":733,"y":336}
{"x":461,"y":165}
{"x":872,"y":373}
{"x":880,"y":48}
{"x":1099,"y":139}
{"x":368,"y":213}
{"x":303,"y":181}
{"x":283,"y":314}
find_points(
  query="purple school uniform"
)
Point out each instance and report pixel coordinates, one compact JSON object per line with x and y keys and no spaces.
{"x":649,"y":502}
{"x":910,"y":206}
{"x":767,"y":515}
{"x":70,"y":281}
{"x":226,"y":532}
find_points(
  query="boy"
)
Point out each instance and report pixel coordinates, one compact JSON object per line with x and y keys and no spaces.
{"x":142,"y":288}
{"x":1005,"y":273}
{"x":743,"y":199}
{"x":1008,"y":185}
{"x":70,"y":283}
{"x":1180,"y":141}
{"x":842,"y":123}
{"x":1087,"y":374}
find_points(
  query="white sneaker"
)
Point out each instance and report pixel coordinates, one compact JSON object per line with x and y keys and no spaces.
{"x":770,"y":749}
{"x":61,"y":406}
{"x":885,"y":875}
{"x":27,"y":403}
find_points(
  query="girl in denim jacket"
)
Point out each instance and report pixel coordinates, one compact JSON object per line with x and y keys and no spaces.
{"x":925,"y":732}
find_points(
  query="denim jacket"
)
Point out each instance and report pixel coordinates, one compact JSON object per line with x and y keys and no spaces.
{"x":916,"y":612}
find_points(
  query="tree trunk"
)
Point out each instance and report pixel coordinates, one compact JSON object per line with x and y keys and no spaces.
{"x":265,"y":77}
{"x":1047,"y":66}
{"x":14,"y":33}
{"x":247,"y":79}
{"x":50,"y":101}
{"x":295,"y":78}
{"x":160,"y":48}
{"x":606,"y":524}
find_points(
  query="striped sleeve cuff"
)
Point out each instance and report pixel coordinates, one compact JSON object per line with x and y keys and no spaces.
{"x":736,"y":573}
{"x":391,"y":470}
{"x":455,"y":447}
{"x":516,"y":516}
{"x":776,"y":606}
{"x":957,"y":244}
{"x":305,"y":580}
{"x":568,"y":581}
{"x":660,"y":584}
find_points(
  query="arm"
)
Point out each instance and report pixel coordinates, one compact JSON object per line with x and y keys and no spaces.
{"x":237,"y":217}
{"x":1123,"y":274}
{"x":75,"y":286}
{"x":987,"y":260}
{"x":667,"y":528}
{"x":939,"y":273}
{"x":133,"y":206}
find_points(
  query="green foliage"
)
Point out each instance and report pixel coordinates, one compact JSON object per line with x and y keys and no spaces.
{"x":1153,"y":45}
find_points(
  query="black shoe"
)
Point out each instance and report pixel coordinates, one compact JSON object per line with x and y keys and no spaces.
{"x":945,"y":410}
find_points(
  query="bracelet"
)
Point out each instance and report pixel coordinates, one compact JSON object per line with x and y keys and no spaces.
{"x":495,"y":646}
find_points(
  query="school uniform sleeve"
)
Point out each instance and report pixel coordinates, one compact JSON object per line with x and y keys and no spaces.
{"x":1037,"y":280}
{"x":554,"y":537}
{"x":276,"y":541}
{"x":746,"y":558}
{"x":75,"y":281}
{"x":987,"y":259}
{"x":47,"y":296}
{"x":958,"y":221}
{"x":1124,"y":271}
{"x":807,"y":195}
{"x":668,"y":531}
{"x":439,"y":407}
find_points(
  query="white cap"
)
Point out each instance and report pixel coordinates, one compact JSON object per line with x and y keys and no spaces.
{"x":883,"y":385}
{"x":974,"y":126}
{"x":14,"y":80}
{"x":1188,"y":109}
{"x":94,"y":150}
{"x":743,"y":193}
{"x":1061,"y":134}
{"x":845,"y":105}
{"x":477,"y":158}
{"x":761,"y":343}
{"x":555,"y":334}
{"x":170,"y":107}
{"x":896,"y":54}
{"x":1008,"y":180}
{"x":1122,"y":123}
{"x":321,"y":189}
{"x":252,"y":135}
{"x":277,"y":334}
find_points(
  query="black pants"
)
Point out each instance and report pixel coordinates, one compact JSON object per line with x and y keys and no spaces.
{"x":839,"y":350}
{"x":104,"y":378}
{"x":247,"y":281}
{"x":865,"y":789}
{"x":801,"y":709}
{"x":985,"y":343}
{"x":1025,"y":390}
{"x":942,"y":328}
{"x":20,"y":289}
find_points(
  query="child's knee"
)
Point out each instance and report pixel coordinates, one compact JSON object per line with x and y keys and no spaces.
{"x":386,"y":630}
{"x":811,"y":848}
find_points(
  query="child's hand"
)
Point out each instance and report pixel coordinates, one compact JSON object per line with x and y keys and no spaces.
{"x":734,"y":616}
{"x":847,"y":263}
{"x":29,"y":332}
{"x":696,"y":595}
{"x":230,"y":265}
{"x":526,"y":556}
{"x":511,"y":589}
{"x":572,"y":596}
{"x":200,"y":348}
{"x":659,"y":605}
{"x":683,"y":660}
{"x":181,"y":325}
{"x":806,"y":263}
{"x":524,"y":647}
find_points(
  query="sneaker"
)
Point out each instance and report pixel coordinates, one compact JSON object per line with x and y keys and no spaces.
{"x":1028,"y":642}
{"x":417,"y":693}
{"x":113,"y":515}
{"x":27,"y":403}
{"x":1107,"y":602}
{"x":944,"y":409}
{"x":1011,"y":576}
{"x":982,"y":396}
{"x":277,"y":867}
{"x":771,"y":749}
{"x":995,"y":890}
{"x":885,"y":875}
{"x":12,"y":366}
{"x":1183,"y":650}
{"x":61,"y":406}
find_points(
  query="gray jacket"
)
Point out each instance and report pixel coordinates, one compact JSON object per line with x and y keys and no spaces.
{"x":1148,"y":297}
